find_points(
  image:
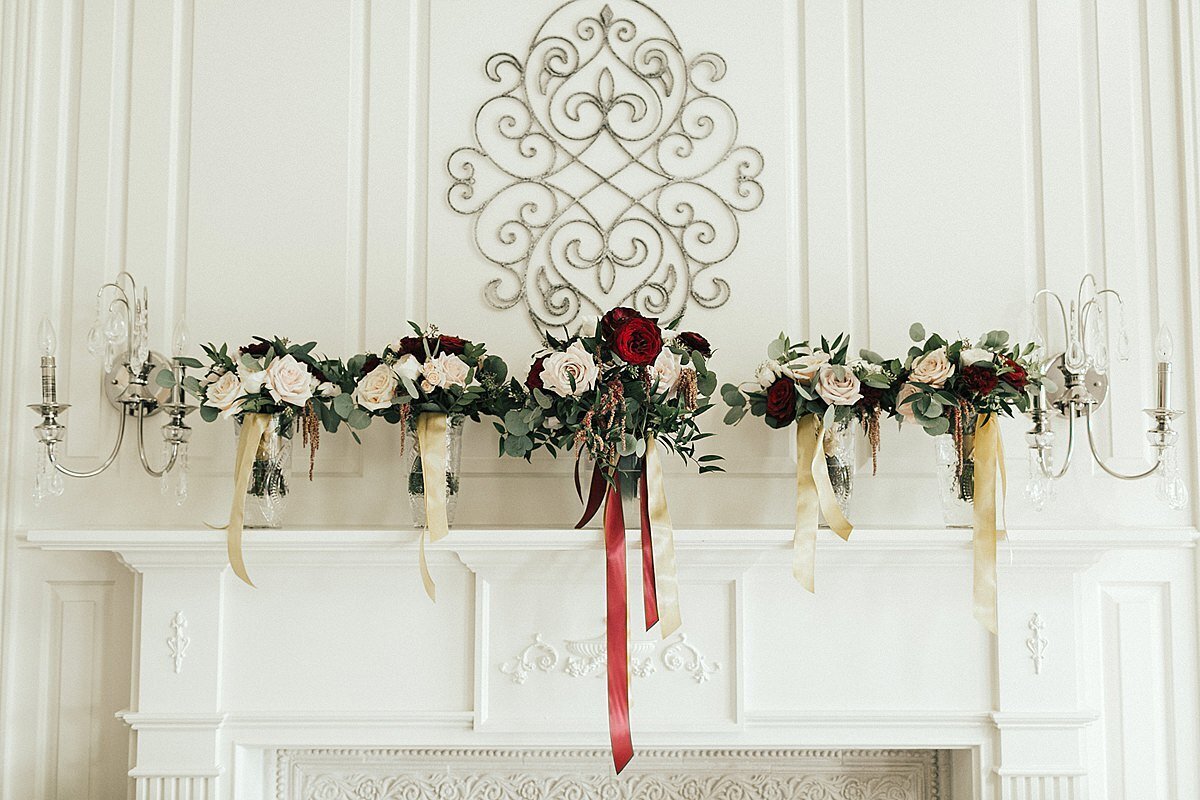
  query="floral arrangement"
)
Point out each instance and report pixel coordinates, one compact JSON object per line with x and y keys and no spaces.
{"x":429,"y":371}
{"x":799,"y":379}
{"x":948,"y":385}
{"x":605,"y":390}
{"x":267,"y":376}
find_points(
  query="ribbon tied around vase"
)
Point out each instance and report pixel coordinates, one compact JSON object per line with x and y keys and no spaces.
{"x":431,"y":440}
{"x":989,"y":463}
{"x":660,"y":584}
{"x":254,"y":429}
{"x":814,"y":493}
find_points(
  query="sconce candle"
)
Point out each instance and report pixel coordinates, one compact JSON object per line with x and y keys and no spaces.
{"x":1164,"y":349}
{"x":48,"y":343}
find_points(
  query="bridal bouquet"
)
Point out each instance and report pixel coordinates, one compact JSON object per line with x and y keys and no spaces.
{"x":956,"y":389}
{"x":266,"y":386}
{"x":621,"y":390}
{"x":429,"y":383}
{"x":822,"y":392}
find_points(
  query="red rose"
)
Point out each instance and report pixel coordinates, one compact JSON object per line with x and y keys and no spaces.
{"x":781,"y":401}
{"x":637,"y":342}
{"x":611,"y":322}
{"x":534,"y":379}
{"x":451,"y":344}
{"x":694,"y":341}
{"x":979,"y":380}
{"x":412,"y":346}
{"x":257,"y":349}
{"x":1016,"y":377}
{"x":370,"y":364}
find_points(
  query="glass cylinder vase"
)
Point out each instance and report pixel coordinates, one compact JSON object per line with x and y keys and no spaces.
{"x":838,"y":444}
{"x":270,"y":475}
{"x":956,"y":475}
{"x":416,"y":473}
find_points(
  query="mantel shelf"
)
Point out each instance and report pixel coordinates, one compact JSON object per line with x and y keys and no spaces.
{"x":483,"y":539}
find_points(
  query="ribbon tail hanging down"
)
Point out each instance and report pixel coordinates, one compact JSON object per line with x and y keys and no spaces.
{"x":985,"y":532}
{"x":595,"y":497}
{"x":649,"y":586}
{"x":617,"y":628}
{"x":431,"y":438}
{"x":254,"y":428}
{"x":814,"y":493}
{"x":657,"y":519}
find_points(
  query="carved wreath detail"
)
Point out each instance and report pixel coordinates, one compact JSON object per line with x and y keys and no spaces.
{"x":605,"y":173}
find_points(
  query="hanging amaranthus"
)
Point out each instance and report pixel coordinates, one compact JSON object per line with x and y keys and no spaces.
{"x":310,"y":426}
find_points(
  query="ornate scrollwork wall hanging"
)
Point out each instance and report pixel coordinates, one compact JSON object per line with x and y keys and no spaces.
{"x":606,"y":173}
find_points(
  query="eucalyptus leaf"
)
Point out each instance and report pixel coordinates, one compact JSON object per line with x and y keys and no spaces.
{"x":208,"y":413}
{"x":916,"y":332}
{"x":165,"y":378}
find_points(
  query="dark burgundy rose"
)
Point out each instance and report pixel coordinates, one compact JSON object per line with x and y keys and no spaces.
{"x":979,"y":380}
{"x":450,"y":344}
{"x":411,"y":346}
{"x":781,"y":401}
{"x":611,"y":322}
{"x":256,"y":349}
{"x":1017,"y":377}
{"x":871,"y":396}
{"x":534,"y":379}
{"x":694,"y":341}
{"x":638,"y":341}
{"x":370,"y":364}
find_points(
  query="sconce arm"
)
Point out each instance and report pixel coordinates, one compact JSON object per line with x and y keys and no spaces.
{"x":1092,"y":444}
{"x":1066,"y":463}
{"x":70,"y":473}
{"x":141,"y":447}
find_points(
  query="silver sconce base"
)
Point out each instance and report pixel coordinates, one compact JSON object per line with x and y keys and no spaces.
{"x":120,"y":389}
{"x":1073,"y":390}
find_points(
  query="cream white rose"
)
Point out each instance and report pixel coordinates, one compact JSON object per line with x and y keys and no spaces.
{"x":667,"y":369}
{"x":289,"y":381}
{"x":225,"y":393}
{"x":328,"y":389}
{"x":442,"y":371}
{"x":376,"y":390}
{"x":575,"y":364}
{"x":768,"y":372}
{"x":252,"y":381}
{"x":933,"y":368}
{"x":806,"y":367}
{"x":975,"y":355}
{"x":906,"y":409}
{"x":838,"y":386}
{"x":589,"y":325}
{"x":408,"y":367}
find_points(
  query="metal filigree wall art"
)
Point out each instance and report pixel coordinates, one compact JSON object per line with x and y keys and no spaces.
{"x":606,"y":173}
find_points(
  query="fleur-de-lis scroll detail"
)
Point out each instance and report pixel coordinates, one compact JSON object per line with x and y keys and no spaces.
{"x":605,"y":173}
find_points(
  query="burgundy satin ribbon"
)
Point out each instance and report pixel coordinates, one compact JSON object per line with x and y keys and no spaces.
{"x":617,"y":628}
{"x":618,"y":605}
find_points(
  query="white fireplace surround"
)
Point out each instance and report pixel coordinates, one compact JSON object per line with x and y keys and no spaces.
{"x":337,"y":657}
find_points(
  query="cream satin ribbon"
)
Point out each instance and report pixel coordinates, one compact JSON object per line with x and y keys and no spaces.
{"x":814,"y":493}
{"x":254,"y":428}
{"x":989,"y":459}
{"x":431,"y":437}
{"x":662,"y":534}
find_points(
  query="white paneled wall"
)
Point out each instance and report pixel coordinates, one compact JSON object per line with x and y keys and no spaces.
{"x":280,"y":167}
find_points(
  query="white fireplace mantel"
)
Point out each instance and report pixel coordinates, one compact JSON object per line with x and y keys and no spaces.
{"x":338,"y":647}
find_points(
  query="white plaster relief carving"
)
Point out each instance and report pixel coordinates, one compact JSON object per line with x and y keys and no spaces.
{"x":178,"y":642}
{"x":538,"y":655}
{"x":353,"y":774}
{"x":588,"y":658}
{"x":1037,"y":644}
